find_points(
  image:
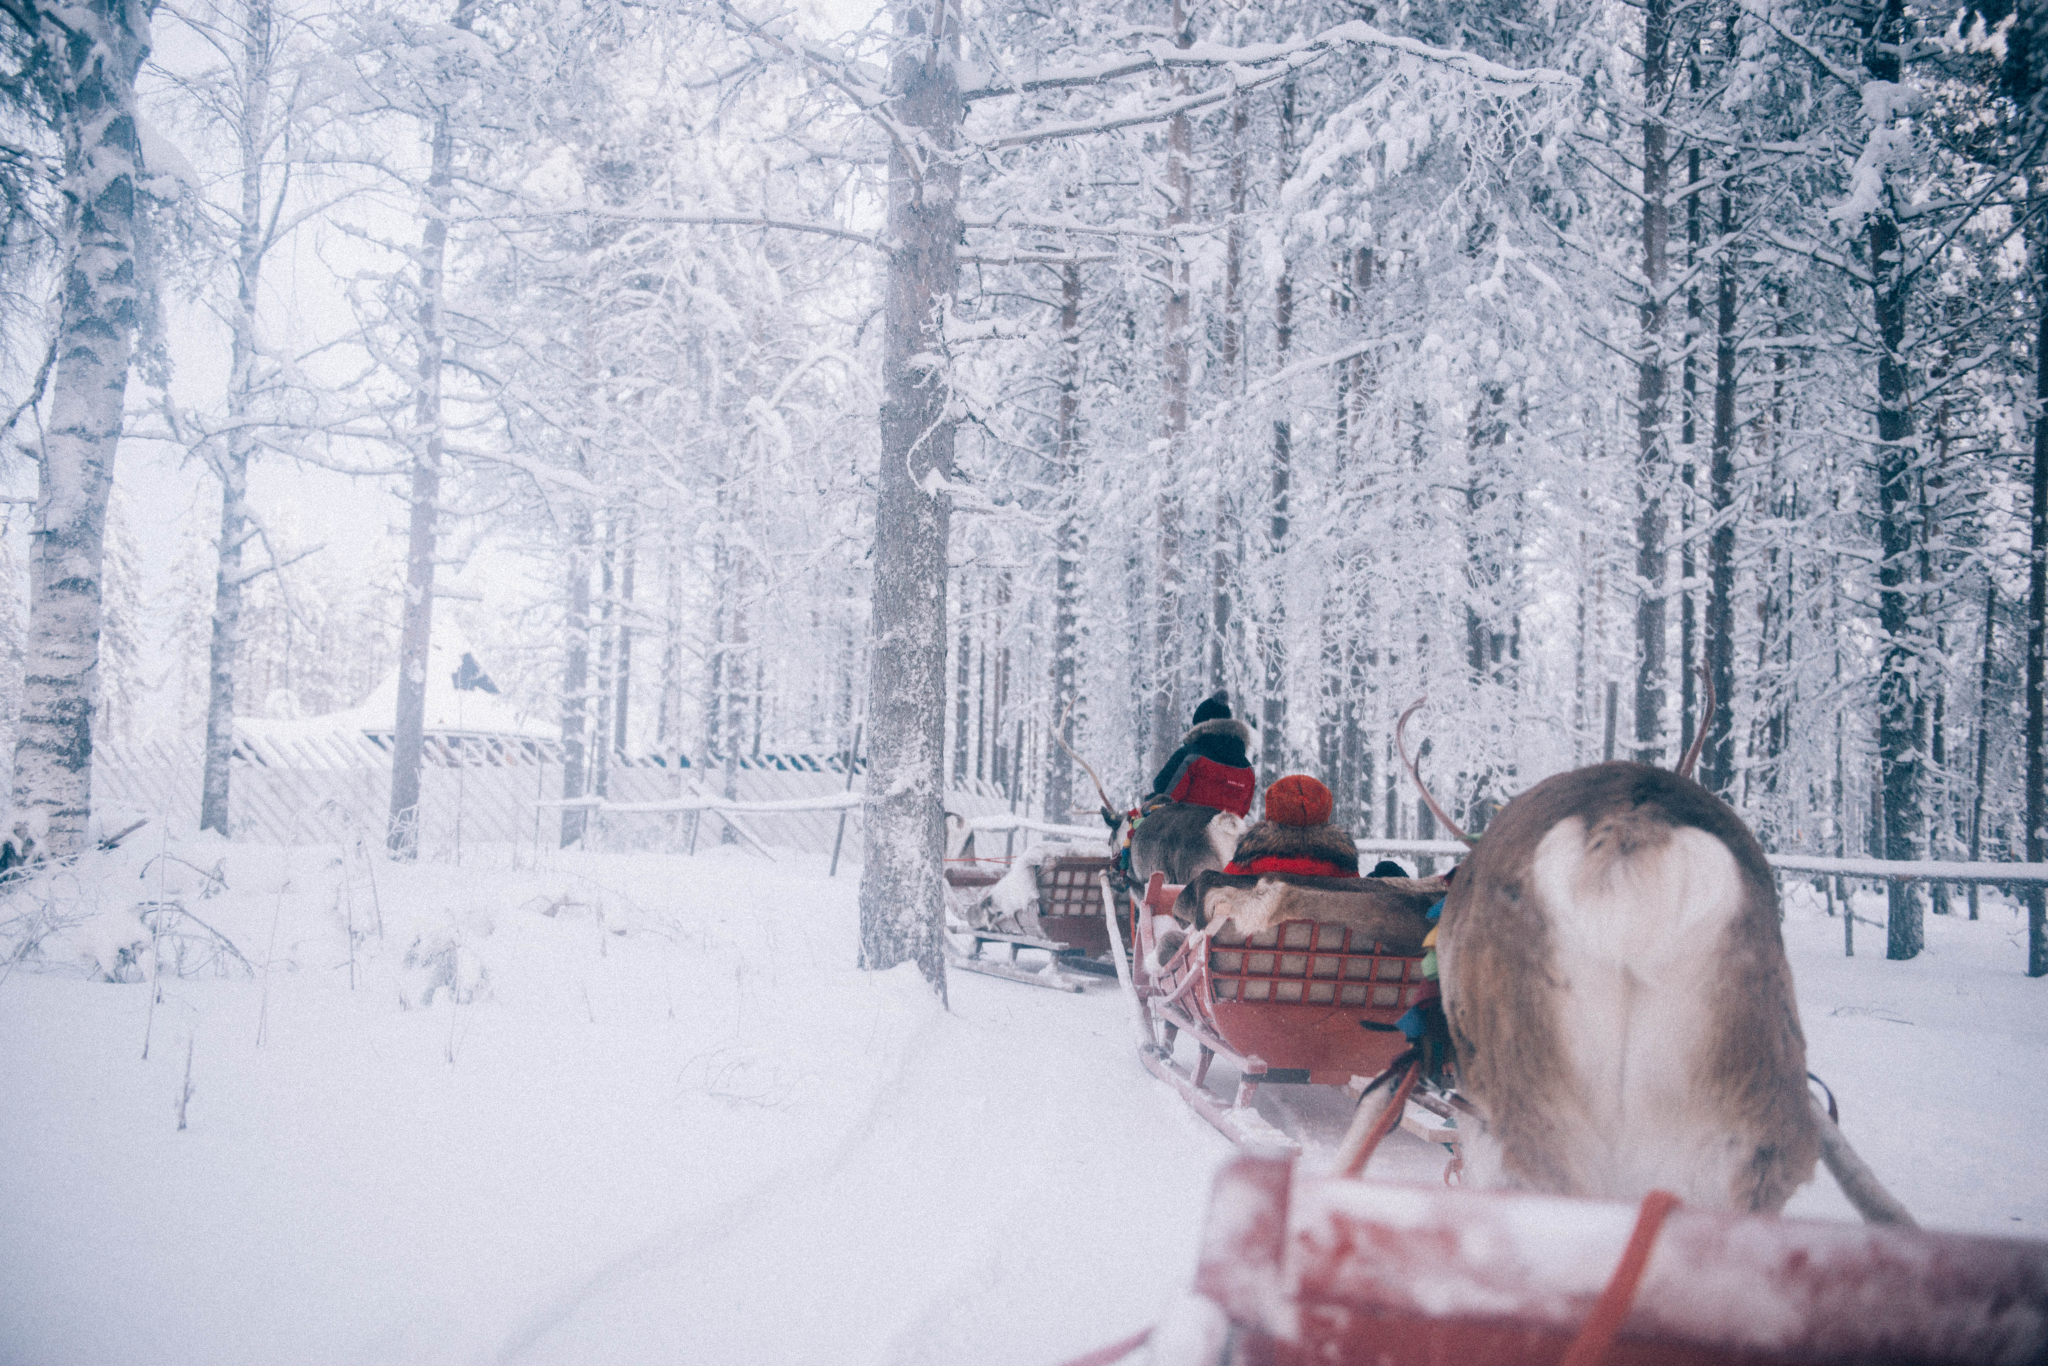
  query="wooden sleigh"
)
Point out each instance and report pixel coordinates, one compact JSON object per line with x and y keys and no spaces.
{"x":1297,"y":1268}
{"x":1303,"y":1001}
{"x":1070,"y":930}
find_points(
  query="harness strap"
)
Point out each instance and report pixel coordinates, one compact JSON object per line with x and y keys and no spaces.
{"x":1388,"y":1117}
{"x":1610,"y":1311}
{"x":1116,"y":1351}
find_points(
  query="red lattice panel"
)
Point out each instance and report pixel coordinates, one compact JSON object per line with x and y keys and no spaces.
{"x":1070,"y":901}
{"x":1307,"y":963}
{"x":1301,"y":998}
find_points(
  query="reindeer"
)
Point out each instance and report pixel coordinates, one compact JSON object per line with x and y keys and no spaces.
{"x":1178,"y":840}
{"x":1619,"y":1001}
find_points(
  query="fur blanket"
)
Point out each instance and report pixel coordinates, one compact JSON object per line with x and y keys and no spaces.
{"x":1390,"y":909}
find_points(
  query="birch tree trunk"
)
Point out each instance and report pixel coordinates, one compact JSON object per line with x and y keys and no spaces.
{"x":93,"y":54}
{"x":423,"y":521}
{"x":902,"y":893}
{"x":231,"y":463}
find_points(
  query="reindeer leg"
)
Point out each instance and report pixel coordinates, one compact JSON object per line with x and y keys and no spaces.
{"x":1876,"y":1204}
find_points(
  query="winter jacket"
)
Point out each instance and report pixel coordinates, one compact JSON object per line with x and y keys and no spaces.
{"x":1224,"y":742}
{"x":1310,"y":850}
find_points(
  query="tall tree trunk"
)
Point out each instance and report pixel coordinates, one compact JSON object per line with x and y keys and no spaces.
{"x":94,"y":54}
{"x":963,"y":677}
{"x":231,"y":463}
{"x":668,"y":717}
{"x":1652,"y":458}
{"x":902,"y":894}
{"x":1066,"y":576}
{"x":607,"y":658}
{"x":576,"y":674}
{"x":424,"y":497}
{"x":1688,"y":629}
{"x":623,"y":685}
{"x":1717,"y":769}
{"x":2037,"y":638}
{"x":1220,"y":567}
{"x":1983,"y":733}
{"x":1167,"y":664}
{"x":1898,"y":730}
{"x":736,"y":674}
{"x":1357,"y":757}
{"x":1273,"y":634}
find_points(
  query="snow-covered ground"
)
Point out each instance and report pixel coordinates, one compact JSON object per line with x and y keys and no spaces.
{"x":634,"y":1108}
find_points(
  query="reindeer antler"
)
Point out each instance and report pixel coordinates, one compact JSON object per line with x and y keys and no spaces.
{"x":1699,"y":737}
{"x":1058,"y":739}
{"x":1401,"y":743}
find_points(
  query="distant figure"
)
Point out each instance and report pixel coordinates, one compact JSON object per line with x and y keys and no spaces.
{"x":1296,"y":836}
{"x":1213,"y":765}
{"x":1386,"y":867}
{"x":469,"y":676}
{"x":1198,"y":803}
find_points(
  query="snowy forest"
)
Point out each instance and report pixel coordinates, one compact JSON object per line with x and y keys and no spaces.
{"x":592,"y":592}
{"x":946,"y":379}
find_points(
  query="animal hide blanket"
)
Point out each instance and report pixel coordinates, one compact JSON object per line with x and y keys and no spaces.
{"x":1390,"y":909}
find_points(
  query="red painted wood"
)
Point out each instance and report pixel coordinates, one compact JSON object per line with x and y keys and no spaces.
{"x":1364,"y":1273}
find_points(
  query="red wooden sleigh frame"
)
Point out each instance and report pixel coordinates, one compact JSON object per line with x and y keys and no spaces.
{"x":1302,"y":1002}
{"x":1074,"y":933}
{"x":1299,"y":1269}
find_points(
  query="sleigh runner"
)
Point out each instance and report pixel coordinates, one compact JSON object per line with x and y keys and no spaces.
{"x":1293,"y":1001}
{"x":1057,"y":915}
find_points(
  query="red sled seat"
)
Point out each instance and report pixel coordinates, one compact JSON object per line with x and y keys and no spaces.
{"x":1204,"y":782}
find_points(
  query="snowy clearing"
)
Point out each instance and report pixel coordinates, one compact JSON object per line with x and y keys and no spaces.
{"x":638,"y":1107}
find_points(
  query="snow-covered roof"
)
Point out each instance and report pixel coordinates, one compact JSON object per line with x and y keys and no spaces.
{"x":451,"y":709}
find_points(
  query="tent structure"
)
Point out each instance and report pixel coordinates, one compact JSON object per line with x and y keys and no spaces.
{"x":468,"y":722}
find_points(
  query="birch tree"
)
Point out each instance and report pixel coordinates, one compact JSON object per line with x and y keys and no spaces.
{"x":86,"y":56}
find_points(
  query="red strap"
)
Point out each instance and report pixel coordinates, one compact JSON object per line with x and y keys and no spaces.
{"x":1610,"y":1311}
{"x":1116,"y":1351}
{"x":1307,"y":867}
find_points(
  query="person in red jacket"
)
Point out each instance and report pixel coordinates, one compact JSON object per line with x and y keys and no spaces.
{"x":1296,"y":836}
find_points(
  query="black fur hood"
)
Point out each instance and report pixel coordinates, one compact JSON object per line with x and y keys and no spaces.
{"x":1223,"y":726}
{"x":1269,"y":839}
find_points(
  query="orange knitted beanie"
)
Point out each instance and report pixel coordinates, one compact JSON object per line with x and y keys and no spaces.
{"x":1298,"y":800}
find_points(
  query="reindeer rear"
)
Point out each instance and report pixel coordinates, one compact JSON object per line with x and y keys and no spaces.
{"x":1619,"y":998}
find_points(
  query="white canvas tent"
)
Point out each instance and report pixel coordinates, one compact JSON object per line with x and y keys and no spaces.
{"x":486,"y":768}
